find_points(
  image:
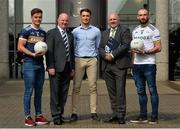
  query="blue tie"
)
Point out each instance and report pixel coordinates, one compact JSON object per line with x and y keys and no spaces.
{"x":64,"y":36}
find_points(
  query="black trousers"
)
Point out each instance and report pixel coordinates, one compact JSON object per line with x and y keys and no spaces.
{"x":115,"y":79}
{"x":59,"y":86}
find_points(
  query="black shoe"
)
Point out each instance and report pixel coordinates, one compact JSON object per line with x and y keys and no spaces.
{"x":74,"y":117}
{"x":62,"y":119}
{"x":112,"y":119}
{"x":121,"y":120}
{"x":154,"y":120}
{"x":57,"y":122}
{"x":140,"y":119}
{"x":94,"y":116}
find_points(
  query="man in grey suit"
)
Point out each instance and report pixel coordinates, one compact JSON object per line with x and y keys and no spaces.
{"x":60,"y":66}
{"x":113,"y":50}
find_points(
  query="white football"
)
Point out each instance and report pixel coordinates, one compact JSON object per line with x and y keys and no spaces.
{"x":137,"y":44}
{"x":40,"y":47}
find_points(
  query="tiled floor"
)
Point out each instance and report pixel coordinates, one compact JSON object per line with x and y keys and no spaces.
{"x":11,"y":106}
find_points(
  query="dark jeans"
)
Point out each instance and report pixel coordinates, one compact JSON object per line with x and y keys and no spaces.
{"x":33,"y":79}
{"x":142,"y":74}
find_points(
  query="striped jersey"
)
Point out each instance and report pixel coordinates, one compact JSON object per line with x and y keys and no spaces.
{"x":32,"y":36}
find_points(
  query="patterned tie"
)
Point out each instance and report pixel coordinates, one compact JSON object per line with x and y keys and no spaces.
{"x":64,"y":36}
{"x":112,"y":33}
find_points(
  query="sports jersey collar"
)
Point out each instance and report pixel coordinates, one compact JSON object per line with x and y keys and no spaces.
{"x":144,"y":25}
{"x":34,"y":27}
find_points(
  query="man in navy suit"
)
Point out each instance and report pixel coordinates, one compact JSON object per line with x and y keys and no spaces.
{"x":60,"y":66}
{"x":115,"y":62}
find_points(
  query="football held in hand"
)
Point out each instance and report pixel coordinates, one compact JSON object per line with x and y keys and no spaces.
{"x":40,"y":47}
{"x":137,"y":44}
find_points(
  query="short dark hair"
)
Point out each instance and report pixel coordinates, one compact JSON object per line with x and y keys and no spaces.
{"x":85,"y":10}
{"x":36,"y":10}
{"x":144,"y":9}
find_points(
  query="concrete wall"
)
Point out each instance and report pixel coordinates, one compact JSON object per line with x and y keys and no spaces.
{"x":4,"y":68}
{"x":162,"y":25}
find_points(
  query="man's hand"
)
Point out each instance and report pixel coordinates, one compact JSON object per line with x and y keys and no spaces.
{"x":108,"y":57}
{"x":51,"y":71}
{"x":138,"y":51}
{"x":39,"y":54}
{"x":72,"y":73}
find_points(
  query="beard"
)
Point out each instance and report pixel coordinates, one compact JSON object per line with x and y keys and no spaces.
{"x":143,"y":21}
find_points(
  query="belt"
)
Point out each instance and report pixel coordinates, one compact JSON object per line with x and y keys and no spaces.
{"x":87,"y":57}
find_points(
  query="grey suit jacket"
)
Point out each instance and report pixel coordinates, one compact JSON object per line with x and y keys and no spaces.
{"x":121,"y":54}
{"x":56,"y":54}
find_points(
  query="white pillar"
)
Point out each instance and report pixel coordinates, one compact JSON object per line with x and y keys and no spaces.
{"x":162,"y":25}
{"x":4,"y":42}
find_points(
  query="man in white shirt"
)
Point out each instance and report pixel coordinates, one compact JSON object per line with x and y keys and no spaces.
{"x":144,"y":66}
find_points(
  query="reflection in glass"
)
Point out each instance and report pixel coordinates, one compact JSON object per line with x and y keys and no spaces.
{"x":75,"y":8}
{"x":11,"y":10}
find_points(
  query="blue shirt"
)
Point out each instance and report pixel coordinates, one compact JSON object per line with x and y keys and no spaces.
{"x":32,"y":36}
{"x":86,"y":41}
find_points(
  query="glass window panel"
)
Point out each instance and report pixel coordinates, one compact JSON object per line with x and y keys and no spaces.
{"x":11,"y":11}
{"x":48,"y":7}
{"x":18,"y":29}
{"x":175,"y":11}
{"x":47,"y":27}
{"x":11,"y":36}
{"x":127,"y":10}
{"x":125,"y":6}
{"x":174,"y":39}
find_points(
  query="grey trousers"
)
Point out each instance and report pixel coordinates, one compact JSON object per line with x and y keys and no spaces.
{"x":115,"y":79}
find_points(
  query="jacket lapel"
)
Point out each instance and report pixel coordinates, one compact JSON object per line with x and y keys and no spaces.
{"x":58,"y":35}
{"x":117,"y":32}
